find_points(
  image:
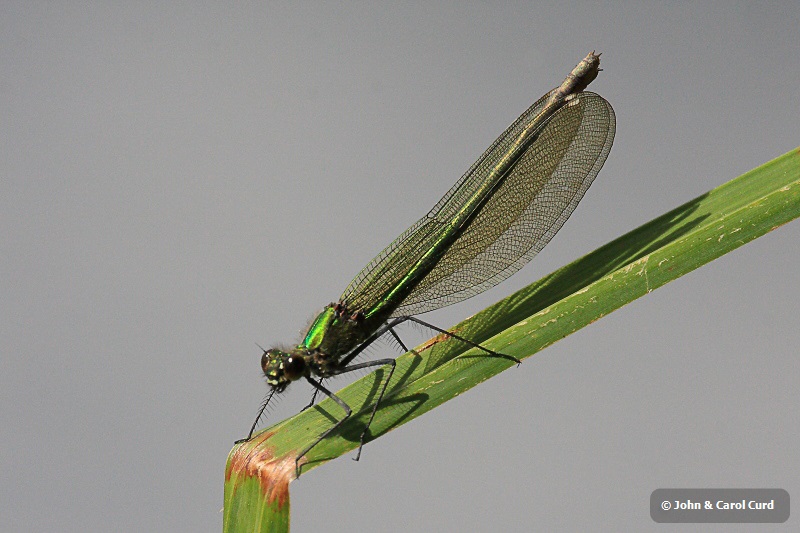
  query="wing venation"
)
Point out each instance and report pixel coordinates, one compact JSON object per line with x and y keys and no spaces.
{"x":524,"y":212}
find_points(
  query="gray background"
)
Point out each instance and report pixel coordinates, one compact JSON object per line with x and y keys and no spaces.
{"x":180,"y":181}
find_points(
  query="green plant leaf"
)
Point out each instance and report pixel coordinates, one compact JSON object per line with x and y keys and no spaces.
{"x":259,"y":471}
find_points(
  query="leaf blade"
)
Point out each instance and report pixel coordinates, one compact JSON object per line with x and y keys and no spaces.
{"x":546,"y":311}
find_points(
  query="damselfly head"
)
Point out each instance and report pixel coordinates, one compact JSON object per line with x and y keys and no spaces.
{"x":281,"y":368}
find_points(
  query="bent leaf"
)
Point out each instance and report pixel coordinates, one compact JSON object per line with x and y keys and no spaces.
{"x":259,"y":471}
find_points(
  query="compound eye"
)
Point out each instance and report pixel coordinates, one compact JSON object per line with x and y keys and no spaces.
{"x":264,"y":361}
{"x":293,"y":367}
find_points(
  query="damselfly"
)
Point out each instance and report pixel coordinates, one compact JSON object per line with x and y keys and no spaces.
{"x":499,"y":215}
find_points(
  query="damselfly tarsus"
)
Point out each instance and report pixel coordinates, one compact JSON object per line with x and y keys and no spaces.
{"x":494,"y":220}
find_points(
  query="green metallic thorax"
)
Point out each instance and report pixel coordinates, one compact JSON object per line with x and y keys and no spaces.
{"x":316,"y":333}
{"x":335,"y":332}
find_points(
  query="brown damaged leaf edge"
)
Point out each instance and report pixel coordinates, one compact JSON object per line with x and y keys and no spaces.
{"x":256,"y":459}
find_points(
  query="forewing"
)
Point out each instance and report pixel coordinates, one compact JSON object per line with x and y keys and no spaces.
{"x":523,"y":214}
{"x":527,"y":210}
